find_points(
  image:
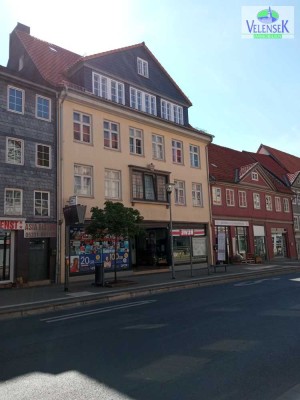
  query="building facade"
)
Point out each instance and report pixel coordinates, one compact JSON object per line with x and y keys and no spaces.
{"x":28,"y":180}
{"x":292,"y":166}
{"x":252,"y":216}
{"x":123,"y":135}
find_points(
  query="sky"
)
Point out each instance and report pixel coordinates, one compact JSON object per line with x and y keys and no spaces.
{"x":244,"y":92}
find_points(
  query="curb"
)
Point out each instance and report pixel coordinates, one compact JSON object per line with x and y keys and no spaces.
{"x":46,"y":306}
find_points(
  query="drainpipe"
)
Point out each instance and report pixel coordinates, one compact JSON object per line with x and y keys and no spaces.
{"x":59,"y":173}
{"x":210,"y":257}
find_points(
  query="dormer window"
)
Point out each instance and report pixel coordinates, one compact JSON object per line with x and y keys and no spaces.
{"x":108,"y":88}
{"x":142,"y":67}
{"x":254,"y":176}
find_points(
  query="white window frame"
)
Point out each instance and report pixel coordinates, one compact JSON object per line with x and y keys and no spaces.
{"x":37,"y":157}
{"x":112,"y":184}
{"x":142,"y":101}
{"x":177,"y":151}
{"x":84,"y":121}
{"x":142,"y":67}
{"x":37,"y":98}
{"x":111,"y":135}
{"x":286,"y":205}
{"x":230,"y":202}
{"x":296,"y":223}
{"x":85,"y":173}
{"x":197,"y":194}
{"x":171,"y":112}
{"x":268,"y":199}
{"x":254,"y":176}
{"x":136,"y":141}
{"x":13,"y":109}
{"x":41,"y":206}
{"x":256,"y":201}
{"x":242,"y":198}
{"x":14,"y":150}
{"x":158,"y":147}
{"x":278,"y":204}
{"x":17,"y":207}
{"x":216,"y":196}
{"x":179,"y":193}
{"x":108,"y":88}
{"x":195,"y":156}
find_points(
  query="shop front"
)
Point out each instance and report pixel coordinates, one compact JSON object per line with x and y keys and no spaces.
{"x":152,"y":248}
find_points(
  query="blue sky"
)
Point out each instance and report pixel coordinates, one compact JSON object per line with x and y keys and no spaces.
{"x":244,"y":92}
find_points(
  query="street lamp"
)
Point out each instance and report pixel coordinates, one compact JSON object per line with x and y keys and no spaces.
{"x":169,"y":189}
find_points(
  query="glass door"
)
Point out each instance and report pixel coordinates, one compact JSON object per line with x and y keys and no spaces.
{"x":5,"y":256}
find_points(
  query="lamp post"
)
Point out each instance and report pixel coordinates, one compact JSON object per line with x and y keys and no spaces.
{"x":169,"y":189}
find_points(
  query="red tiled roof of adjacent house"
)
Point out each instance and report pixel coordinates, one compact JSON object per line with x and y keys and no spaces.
{"x":51,"y":60}
{"x":228,"y":165}
{"x":288,"y":161}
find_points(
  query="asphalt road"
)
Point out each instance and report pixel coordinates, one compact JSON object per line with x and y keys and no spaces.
{"x":236,"y":341}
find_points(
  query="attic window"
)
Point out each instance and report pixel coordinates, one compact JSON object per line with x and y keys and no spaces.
{"x":142,"y":67}
{"x":52,"y":49}
{"x":21,"y":63}
{"x":254,"y":176}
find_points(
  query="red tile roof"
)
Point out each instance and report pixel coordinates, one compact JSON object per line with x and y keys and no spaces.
{"x":51,"y":60}
{"x":289,"y":162}
{"x":228,"y":165}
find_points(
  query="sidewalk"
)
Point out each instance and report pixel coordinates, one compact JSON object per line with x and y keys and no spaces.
{"x":17,"y":302}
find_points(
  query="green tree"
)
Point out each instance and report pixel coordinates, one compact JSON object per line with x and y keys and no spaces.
{"x":115,"y":220}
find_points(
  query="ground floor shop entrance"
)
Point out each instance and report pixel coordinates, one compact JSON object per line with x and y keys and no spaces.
{"x":38,"y":259}
{"x":6,"y":263}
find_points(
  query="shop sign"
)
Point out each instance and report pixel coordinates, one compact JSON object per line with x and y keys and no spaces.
{"x":188,"y":232}
{"x":39,"y":230}
{"x":12,"y":225}
{"x":231,"y":223}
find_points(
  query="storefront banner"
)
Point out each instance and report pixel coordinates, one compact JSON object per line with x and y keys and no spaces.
{"x":188,"y":232}
{"x":221,"y":246}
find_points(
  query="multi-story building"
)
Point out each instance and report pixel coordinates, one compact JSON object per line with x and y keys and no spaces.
{"x":251,"y":206}
{"x":292,"y":166}
{"x":124,"y":135}
{"x":28,"y":180}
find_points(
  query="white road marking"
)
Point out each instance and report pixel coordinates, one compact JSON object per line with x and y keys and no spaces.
{"x":249,"y":283}
{"x":295,"y":279}
{"x":96,"y":311}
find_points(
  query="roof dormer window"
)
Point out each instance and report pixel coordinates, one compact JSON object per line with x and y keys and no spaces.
{"x":254,"y":176}
{"x":142,"y":67}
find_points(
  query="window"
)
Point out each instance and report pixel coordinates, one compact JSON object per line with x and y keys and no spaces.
{"x":242,"y":199}
{"x":136,"y":141}
{"x":82,"y":127}
{"x":142,"y":101}
{"x":83,"y":180}
{"x":109,"y":89}
{"x":277,"y":204}
{"x":195,"y":156}
{"x":158,"y":147}
{"x":256,"y":201}
{"x":286,"y":206}
{"x":298,"y":198}
{"x":177,"y":152}
{"x":268,"y":203}
{"x":142,"y":67}
{"x":149,"y":186}
{"x":16,"y":99}
{"x":171,"y":112}
{"x":111,"y":135}
{"x":14,"y":151}
{"x":230,"y":197}
{"x":179,"y":192}
{"x":43,"y":156}
{"x":41,"y":204}
{"x":216,"y":195}
{"x":112,"y":184}
{"x":254,"y":176}
{"x":197,"y":194}
{"x":43,"y":108}
{"x":13,"y":202}
{"x":296,"y":223}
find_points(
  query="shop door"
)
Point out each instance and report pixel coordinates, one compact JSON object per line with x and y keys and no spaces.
{"x":5,"y":256}
{"x":38,"y":260}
